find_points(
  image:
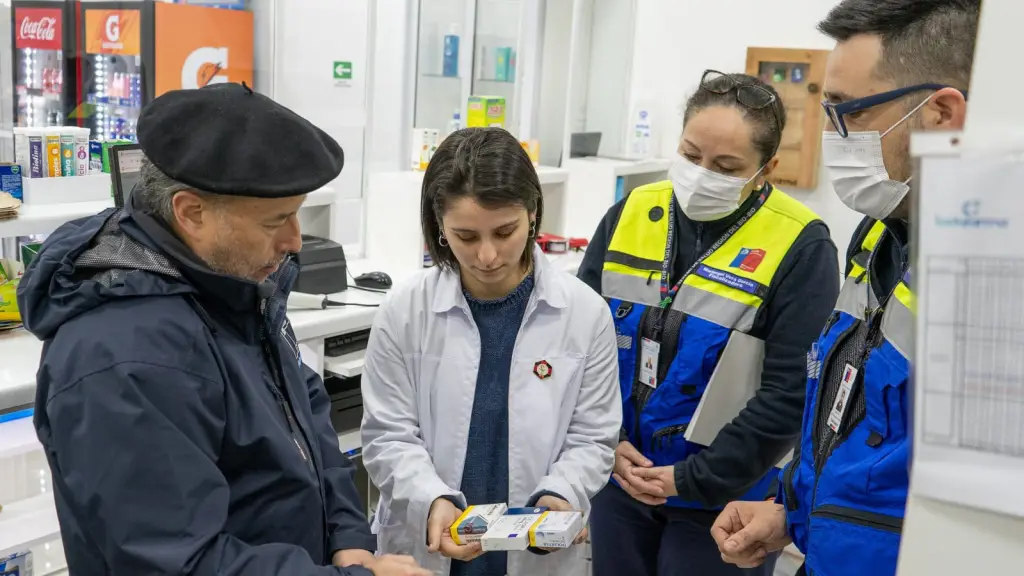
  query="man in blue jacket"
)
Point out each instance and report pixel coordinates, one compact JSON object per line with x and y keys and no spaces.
{"x":898,"y":66}
{"x":184,"y":432}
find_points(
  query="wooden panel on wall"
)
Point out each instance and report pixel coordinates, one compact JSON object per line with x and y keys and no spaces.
{"x":797,"y":75}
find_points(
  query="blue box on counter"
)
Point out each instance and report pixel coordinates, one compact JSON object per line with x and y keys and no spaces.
{"x":10,"y":180}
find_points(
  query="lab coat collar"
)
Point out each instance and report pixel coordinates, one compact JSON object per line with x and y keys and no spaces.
{"x":548,"y":287}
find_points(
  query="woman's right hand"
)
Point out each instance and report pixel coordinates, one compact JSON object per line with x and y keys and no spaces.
{"x":441,"y":517}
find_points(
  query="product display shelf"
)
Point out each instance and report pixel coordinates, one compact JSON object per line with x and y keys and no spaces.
{"x":45,"y":218}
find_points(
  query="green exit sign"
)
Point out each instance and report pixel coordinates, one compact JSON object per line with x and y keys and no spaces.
{"x":342,"y":70}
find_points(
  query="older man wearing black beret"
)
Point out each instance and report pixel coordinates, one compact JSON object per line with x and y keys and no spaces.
{"x":184,"y":433}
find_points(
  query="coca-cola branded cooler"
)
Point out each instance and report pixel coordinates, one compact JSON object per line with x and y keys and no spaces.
{"x":43,"y":37}
{"x":132,"y":52}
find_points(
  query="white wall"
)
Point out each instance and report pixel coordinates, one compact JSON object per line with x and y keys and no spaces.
{"x":676,"y":40}
{"x":554,"y":80}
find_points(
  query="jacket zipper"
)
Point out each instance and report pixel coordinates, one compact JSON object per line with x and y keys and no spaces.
{"x":825,"y":365}
{"x":665,"y":435}
{"x":787,"y":484}
{"x":864,"y":518}
{"x":286,"y":407}
{"x":282,"y":401}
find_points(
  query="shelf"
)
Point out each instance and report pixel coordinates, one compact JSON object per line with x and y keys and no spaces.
{"x":45,"y":218}
{"x":441,"y":76}
{"x":17,"y":437}
{"x":495,"y":81}
{"x":27,"y":523}
{"x":347,"y":365}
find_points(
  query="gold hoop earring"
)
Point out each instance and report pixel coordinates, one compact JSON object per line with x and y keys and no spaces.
{"x":533,"y":228}
{"x":442,"y":240}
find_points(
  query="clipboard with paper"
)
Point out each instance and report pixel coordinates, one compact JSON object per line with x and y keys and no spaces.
{"x":736,"y":379}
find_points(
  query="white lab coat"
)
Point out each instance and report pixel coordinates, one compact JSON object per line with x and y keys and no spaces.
{"x":418,"y":386}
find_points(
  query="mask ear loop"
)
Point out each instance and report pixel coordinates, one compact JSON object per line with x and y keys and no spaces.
{"x":904,"y":119}
{"x":908,"y":115}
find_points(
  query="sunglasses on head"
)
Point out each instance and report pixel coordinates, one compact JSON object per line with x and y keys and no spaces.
{"x":748,"y":95}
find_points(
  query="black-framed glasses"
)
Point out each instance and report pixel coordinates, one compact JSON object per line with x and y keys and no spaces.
{"x":749,"y":95}
{"x":837,"y":112}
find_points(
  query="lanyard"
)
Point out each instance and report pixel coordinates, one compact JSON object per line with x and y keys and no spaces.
{"x":668,"y":292}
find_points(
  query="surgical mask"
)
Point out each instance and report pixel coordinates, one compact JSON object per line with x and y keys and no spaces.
{"x":858,"y":172}
{"x":705,"y":195}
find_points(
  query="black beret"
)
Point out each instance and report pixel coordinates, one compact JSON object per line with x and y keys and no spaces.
{"x":227,"y":139}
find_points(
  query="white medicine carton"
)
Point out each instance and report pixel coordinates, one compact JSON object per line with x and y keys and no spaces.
{"x":550,"y":529}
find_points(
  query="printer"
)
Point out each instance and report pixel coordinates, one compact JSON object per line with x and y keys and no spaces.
{"x":322,"y":267}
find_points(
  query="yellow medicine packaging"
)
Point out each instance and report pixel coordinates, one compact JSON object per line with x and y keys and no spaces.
{"x":484,"y":111}
{"x":516,"y":532}
{"x":474,"y":522}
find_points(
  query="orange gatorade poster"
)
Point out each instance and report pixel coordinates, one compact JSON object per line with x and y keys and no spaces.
{"x":113,"y":32}
{"x":196,"y":46}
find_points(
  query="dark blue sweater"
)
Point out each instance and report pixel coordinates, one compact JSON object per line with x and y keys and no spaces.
{"x":485,"y":474}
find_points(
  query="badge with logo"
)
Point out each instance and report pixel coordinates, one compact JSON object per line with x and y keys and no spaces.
{"x":748,"y":259}
{"x":542,"y":370}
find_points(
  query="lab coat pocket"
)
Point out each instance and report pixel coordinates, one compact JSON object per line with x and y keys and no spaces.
{"x":545,"y":390}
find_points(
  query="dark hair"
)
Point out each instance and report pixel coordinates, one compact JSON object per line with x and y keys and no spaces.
{"x":486,"y":164}
{"x":923,"y":41}
{"x":767,"y":123}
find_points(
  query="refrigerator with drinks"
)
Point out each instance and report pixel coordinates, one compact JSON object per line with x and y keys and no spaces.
{"x":132,"y":52}
{"x":42,"y":67}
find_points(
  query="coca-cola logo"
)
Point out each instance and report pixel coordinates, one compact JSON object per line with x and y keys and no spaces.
{"x":44,"y":28}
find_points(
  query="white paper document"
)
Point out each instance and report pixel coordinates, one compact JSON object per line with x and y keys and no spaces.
{"x":968,"y":386}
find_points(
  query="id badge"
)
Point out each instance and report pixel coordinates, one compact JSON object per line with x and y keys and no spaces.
{"x":649,"y":350}
{"x":835,"y":417}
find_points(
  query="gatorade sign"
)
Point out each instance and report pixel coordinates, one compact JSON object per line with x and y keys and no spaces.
{"x":113,"y":32}
{"x":198,"y":46}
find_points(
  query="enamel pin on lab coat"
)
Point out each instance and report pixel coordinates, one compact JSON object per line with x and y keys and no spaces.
{"x":542,"y":370}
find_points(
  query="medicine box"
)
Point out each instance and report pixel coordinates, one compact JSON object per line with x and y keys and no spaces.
{"x":545,"y":530}
{"x":475,"y":521}
{"x":424,"y":144}
{"x":484,"y":111}
{"x":10,"y":180}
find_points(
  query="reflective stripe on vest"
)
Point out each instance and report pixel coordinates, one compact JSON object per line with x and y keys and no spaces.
{"x":632,"y":265}
{"x":723,"y":289}
{"x":898,"y":320}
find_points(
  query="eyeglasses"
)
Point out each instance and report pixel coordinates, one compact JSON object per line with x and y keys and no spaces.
{"x":837,"y":112}
{"x":749,"y":95}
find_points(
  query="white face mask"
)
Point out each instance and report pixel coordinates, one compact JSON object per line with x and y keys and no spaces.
{"x":858,"y":171}
{"x":705,"y":195}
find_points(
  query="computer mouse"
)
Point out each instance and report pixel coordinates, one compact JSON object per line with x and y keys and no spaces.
{"x":375,"y":280}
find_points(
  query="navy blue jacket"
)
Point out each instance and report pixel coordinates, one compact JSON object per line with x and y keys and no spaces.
{"x":184,"y":433}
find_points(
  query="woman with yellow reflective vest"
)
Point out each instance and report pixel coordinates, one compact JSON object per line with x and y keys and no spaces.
{"x":714,"y":267}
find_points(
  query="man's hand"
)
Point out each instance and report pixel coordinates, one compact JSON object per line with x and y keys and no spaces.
{"x":353,"y":557}
{"x":442,"y":515}
{"x":628,"y":460}
{"x":559,"y":505}
{"x":392,"y":565}
{"x":746,"y":532}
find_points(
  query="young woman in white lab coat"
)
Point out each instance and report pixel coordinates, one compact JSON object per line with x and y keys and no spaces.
{"x":489,"y":378}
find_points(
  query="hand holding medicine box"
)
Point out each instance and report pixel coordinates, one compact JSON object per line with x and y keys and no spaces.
{"x":548,"y":529}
